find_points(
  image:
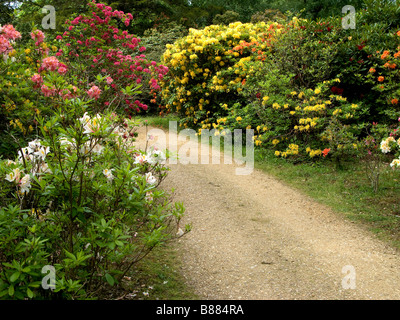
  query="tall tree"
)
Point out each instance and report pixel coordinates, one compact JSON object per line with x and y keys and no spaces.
{"x":6,"y":10}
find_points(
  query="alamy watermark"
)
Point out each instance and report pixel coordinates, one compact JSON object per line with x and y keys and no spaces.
{"x":349,"y":20}
{"x":349,"y":280}
{"x":49,"y":280}
{"x":49,"y":21}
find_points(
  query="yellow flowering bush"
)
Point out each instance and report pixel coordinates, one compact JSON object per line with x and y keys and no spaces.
{"x":307,"y":123}
{"x":208,"y":69}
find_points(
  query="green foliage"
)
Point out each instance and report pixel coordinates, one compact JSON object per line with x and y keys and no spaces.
{"x":85,"y":207}
{"x":75,"y":194}
{"x":156,"y":39}
{"x":226,"y":18}
{"x":267,"y":16}
{"x":307,"y":50}
{"x":6,"y":11}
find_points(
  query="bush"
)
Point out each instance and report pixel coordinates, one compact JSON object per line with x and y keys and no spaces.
{"x":77,"y":199}
{"x":207,"y":69}
{"x":298,"y":123}
{"x":82,"y":200}
{"x":267,"y":16}
{"x":226,"y":18}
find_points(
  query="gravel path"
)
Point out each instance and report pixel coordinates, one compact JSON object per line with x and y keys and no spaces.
{"x":255,"y":238}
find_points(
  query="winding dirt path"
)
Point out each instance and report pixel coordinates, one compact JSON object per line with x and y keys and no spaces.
{"x":255,"y":238}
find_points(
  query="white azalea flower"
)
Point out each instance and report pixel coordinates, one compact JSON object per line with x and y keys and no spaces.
{"x":10,"y":162}
{"x":141,"y":158}
{"x":90,"y":124}
{"x":149,"y":196}
{"x":14,"y":175}
{"x":65,"y":142}
{"x":25,"y":153}
{"x":98,"y":149}
{"x":156,"y":156}
{"x":150,"y":178}
{"x":42,"y":152}
{"x":108,"y":174}
{"x":25,"y":183}
{"x":85,"y":119}
{"x":34,"y":145}
{"x":385,"y":146}
{"x":180,"y":232}
{"x":395,"y":163}
{"x":44,"y":168}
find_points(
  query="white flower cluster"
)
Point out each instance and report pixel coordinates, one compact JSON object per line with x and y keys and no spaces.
{"x":385,"y":144}
{"x":88,"y":146}
{"x":90,"y":125}
{"x":23,"y":183}
{"x":386,"y":147}
{"x":35,"y":154}
{"x":154,"y":156}
{"x":150,"y":179}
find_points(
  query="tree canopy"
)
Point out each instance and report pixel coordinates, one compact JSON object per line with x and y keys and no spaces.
{"x":189,"y":13}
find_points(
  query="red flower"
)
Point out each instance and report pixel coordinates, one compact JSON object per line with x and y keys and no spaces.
{"x":325,"y":152}
{"x":337,"y":90}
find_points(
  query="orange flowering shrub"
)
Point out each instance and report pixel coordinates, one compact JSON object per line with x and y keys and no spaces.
{"x":385,"y":76}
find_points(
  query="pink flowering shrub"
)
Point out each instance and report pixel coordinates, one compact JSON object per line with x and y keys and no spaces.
{"x":95,"y":43}
{"x":50,"y":63}
{"x":94,"y":92}
{"x":7,"y":34}
{"x":77,"y":185}
{"x":38,"y":36}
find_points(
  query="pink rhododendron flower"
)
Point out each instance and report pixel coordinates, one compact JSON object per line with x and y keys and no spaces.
{"x":10,"y":33}
{"x":94,"y":92}
{"x":62,"y":70}
{"x":47,"y":92}
{"x":5,"y":45}
{"x":37,"y":79}
{"x":50,"y":63}
{"x":7,"y":33}
{"x":37,"y":35}
{"x":109,"y":80}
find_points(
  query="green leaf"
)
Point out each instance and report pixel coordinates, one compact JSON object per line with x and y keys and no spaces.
{"x":119,"y":243}
{"x":3,"y":293}
{"x":26,"y":269}
{"x":29,"y":293}
{"x":11,"y":290}
{"x":14,"y":277}
{"x":110,"y":279}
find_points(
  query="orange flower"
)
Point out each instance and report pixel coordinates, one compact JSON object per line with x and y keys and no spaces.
{"x":397,"y":54}
{"x":380,"y":78}
{"x":398,"y":33}
{"x":372,"y":70}
{"x":325,"y":152}
{"x":385,"y":54}
{"x":394,"y":101}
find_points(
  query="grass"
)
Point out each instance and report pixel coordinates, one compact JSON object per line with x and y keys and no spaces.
{"x":157,"y":277}
{"x":347,"y":191}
